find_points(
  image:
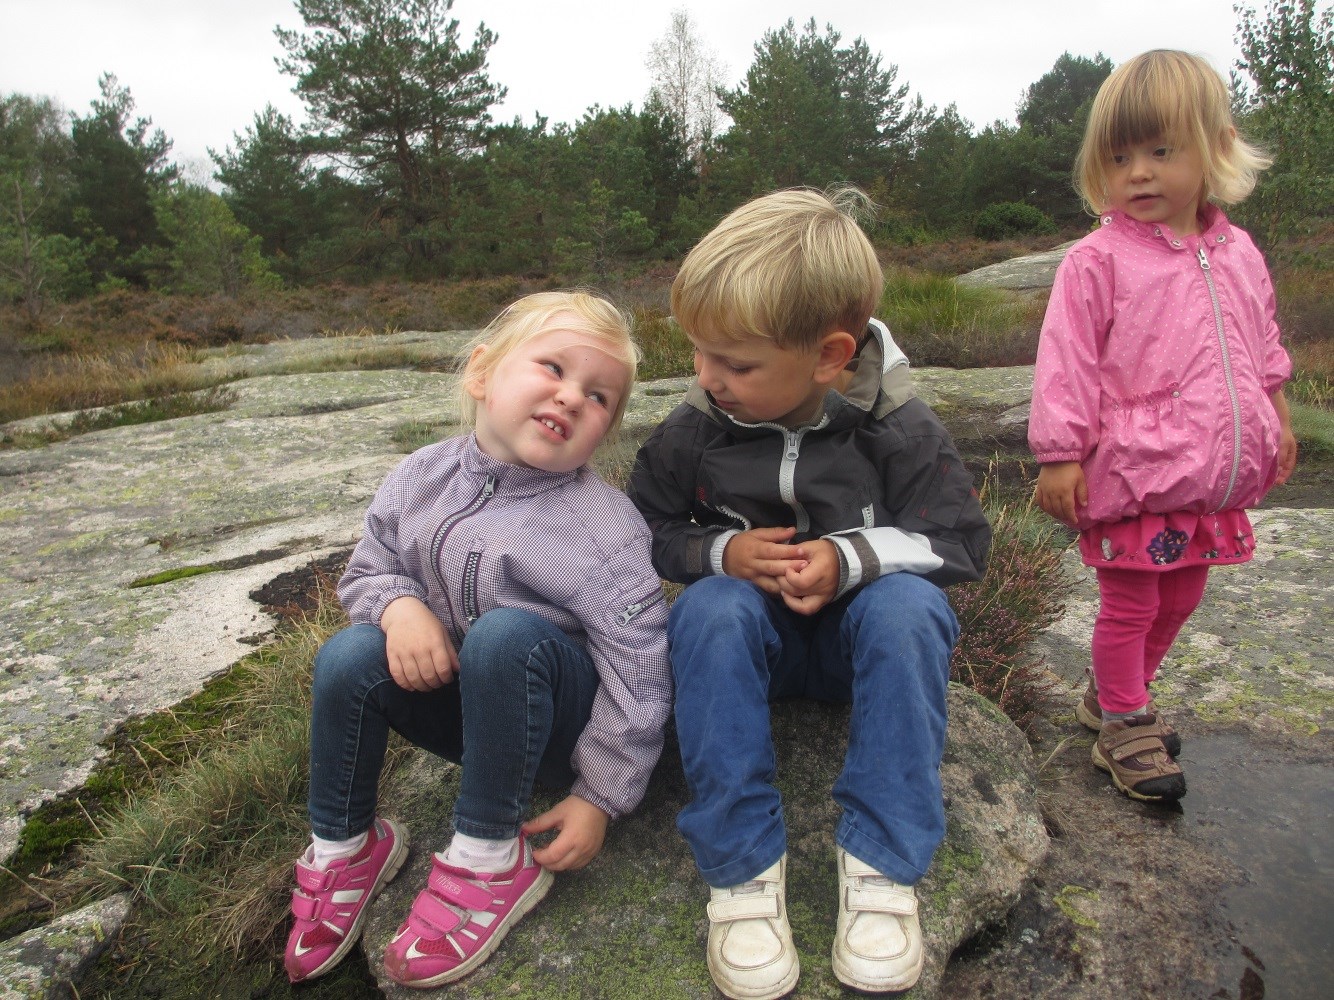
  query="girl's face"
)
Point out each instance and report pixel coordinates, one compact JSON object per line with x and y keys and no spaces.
{"x":549,"y":402}
{"x":1156,"y":182}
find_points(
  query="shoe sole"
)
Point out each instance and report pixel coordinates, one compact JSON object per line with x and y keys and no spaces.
{"x":781,"y":989}
{"x":1101,"y":763}
{"x":392,"y":864}
{"x":531,"y":897}
{"x":892,"y":985}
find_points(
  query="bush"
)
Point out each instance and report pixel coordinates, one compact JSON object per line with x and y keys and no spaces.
{"x":1008,"y":219}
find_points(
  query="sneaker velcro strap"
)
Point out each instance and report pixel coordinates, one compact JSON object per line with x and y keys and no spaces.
{"x":459,"y":891}
{"x":881,"y":899}
{"x":1134,"y":747}
{"x":749,"y":907}
{"x":305,"y":907}
{"x":313,"y":880}
{"x":432,"y":917}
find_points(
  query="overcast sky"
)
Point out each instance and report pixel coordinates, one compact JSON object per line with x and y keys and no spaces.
{"x":201,"y":69}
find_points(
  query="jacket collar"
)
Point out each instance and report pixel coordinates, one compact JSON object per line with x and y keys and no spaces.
{"x":514,"y":480}
{"x":880,"y":382}
{"x":1217,"y":229}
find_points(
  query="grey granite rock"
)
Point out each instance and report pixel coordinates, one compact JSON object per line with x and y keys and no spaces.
{"x":45,"y":961}
{"x":632,"y":924}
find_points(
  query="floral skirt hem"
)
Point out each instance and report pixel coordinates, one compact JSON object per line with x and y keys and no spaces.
{"x":1158,"y":542}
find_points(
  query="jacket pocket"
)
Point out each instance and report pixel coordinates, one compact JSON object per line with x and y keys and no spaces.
{"x":1147,"y":429}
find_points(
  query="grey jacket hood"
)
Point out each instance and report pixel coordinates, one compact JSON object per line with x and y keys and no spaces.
{"x":881,"y":383}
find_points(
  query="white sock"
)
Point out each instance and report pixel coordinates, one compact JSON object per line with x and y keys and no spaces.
{"x":480,"y":855}
{"x":325,"y":852}
{"x":1122,"y":716}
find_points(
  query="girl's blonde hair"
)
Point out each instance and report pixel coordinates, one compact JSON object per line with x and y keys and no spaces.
{"x":533,"y":315}
{"x":1177,"y":97}
{"x":790,"y":266}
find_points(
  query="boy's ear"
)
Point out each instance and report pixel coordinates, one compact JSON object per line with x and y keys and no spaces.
{"x":474,"y":382}
{"x":836,"y":350}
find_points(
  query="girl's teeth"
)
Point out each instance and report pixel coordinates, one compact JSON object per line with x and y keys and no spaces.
{"x":554,"y":426}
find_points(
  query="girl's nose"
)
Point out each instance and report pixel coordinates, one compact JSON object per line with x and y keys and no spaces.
{"x":1141,"y":166}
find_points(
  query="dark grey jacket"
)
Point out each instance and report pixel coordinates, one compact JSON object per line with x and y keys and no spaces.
{"x":874,"y":471}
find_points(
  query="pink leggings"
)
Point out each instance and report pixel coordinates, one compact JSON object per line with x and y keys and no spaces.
{"x":1140,"y":615}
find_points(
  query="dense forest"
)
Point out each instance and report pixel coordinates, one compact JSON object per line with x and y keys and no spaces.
{"x":399,"y":171}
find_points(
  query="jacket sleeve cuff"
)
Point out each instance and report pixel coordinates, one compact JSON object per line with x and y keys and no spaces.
{"x":1047,"y":457}
{"x":716,"y":548}
{"x":849,"y":566}
{"x":390,"y":595}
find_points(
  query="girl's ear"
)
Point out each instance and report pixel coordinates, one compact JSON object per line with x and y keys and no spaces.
{"x":474,"y":382}
{"x":836,"y":349}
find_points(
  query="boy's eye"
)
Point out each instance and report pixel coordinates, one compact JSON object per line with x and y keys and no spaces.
{"x":738,"y":369}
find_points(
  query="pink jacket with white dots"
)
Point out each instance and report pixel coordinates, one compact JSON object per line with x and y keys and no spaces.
{"x":1157,"y":358}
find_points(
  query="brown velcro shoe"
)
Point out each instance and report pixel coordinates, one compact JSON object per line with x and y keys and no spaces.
{"x":1132,"y":752}
{"x":1089,"y":713}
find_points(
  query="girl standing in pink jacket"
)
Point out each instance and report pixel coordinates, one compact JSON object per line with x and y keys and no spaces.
{"x":1158,"y":413}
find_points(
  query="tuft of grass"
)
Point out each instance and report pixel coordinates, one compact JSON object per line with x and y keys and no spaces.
{"x":666,"y":351}
{"x":206,"y":850}
{"x":413,"y":434}
{"x":1002,"y":613}
{"x":1312,"y":381}
{"x":87,"y":380}
{"x":144,"y":411}
{"x":940,"y":322}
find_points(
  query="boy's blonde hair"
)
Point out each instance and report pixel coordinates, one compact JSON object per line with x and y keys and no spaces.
{"x":1175,"y":96}
{"x":533,"y":315}
{"x":790,"y":266}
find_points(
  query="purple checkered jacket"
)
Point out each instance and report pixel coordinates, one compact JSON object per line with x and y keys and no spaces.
{"x":465,"y":534}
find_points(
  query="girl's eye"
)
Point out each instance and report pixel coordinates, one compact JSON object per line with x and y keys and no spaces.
{"x":551,"y":366}
{"x":1120,"y":159}
{"x":598,"y":397}
{"x":1162,"y":152}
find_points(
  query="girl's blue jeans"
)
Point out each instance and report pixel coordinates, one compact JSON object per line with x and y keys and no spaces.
{"x":522,"y":698}
{"x":885,"y":648}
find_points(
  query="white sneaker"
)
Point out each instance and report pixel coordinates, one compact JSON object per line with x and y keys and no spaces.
{"x":751,"y":954}
{"x":878,"y":940}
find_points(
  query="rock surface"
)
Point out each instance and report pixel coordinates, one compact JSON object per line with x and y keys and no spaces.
{"x":632,"y":924}
{"x":1033,"y":272}
{"x":1222,"y":897}
{"x":45,"y":961}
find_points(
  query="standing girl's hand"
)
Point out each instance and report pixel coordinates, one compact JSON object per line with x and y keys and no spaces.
{"x":1287,"y":441}
{"x":1062,"y":490}
{"x":582,"y":826}
{"x":421,"y":657}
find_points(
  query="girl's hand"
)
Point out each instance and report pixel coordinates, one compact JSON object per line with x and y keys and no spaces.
{"x":421,"y":657}
{"x":582,"y":826}
{"x":1287,"y":441}
{"x":1061,"y":490}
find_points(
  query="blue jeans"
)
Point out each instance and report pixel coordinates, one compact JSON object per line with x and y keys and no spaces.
{"x":522,"y":698}
{"x":885,"y":648}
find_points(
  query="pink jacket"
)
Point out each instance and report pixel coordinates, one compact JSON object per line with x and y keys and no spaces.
{"x":1154,"y":370}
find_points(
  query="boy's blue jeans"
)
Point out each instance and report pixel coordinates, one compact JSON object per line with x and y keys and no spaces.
{"x":885,"y":648}
{"x":522,"y":698}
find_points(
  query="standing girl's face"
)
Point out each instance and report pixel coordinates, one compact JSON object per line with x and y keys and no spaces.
{"x":549,"y":402}
{"x":1155,"y":181}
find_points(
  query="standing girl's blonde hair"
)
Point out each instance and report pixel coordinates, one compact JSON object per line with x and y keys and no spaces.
{"x":1158,"y":413}
{"x":1165,"y":94}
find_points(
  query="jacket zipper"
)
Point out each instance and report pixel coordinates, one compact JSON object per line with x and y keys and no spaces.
{"x":438,"y":544}
{"x":632,"y":611}
{"x":1227,"y":377}
{"x":787,"y":475}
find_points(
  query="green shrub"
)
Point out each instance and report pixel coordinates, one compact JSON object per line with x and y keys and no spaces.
{"x":1008,"y":219}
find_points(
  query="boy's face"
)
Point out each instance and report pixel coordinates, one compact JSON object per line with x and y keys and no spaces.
{"x":756,"y":381}
{"x":549,"y":403}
